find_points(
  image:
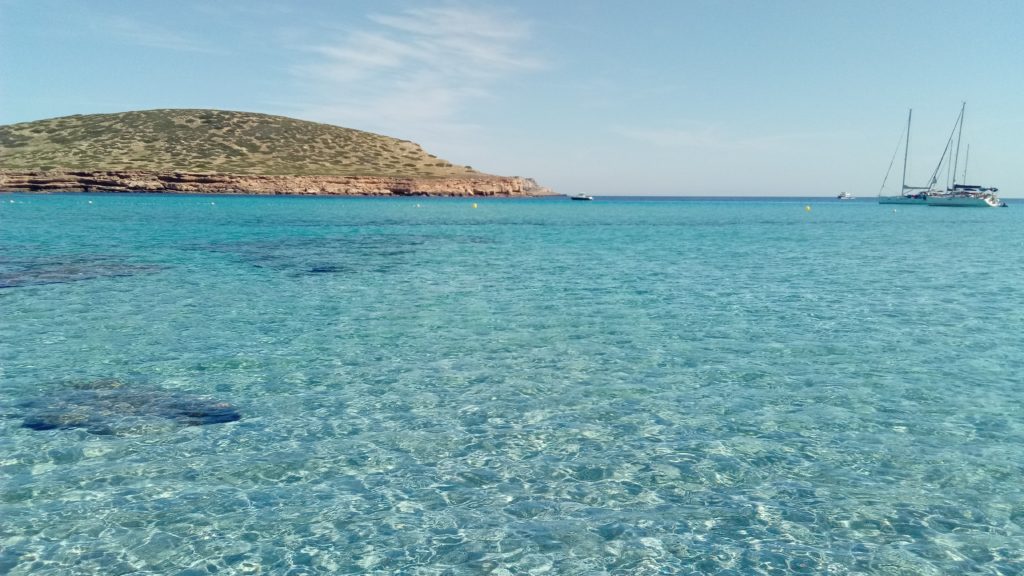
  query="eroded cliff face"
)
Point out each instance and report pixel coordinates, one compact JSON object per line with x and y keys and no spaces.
{"x":195,"y":183}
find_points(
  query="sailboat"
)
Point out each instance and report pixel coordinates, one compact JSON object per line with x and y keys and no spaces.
{"x":965,"y":195}
{"x":908,"y":194}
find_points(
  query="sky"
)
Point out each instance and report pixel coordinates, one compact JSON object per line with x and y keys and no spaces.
{"x":650,"y":97}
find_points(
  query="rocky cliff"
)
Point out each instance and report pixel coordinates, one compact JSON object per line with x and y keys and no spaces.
{"x":201,"y":183}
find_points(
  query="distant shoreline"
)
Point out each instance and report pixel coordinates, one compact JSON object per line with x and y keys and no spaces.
{"x":266,"y":185}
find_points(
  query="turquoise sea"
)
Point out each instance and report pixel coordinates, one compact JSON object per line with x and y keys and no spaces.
{"x":418,"y":386}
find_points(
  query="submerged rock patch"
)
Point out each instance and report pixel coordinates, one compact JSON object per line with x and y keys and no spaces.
{"x":112,"y":407}
{"x":325,"y":256}
{"x":338,"y":254}
{"x":15,"y":273}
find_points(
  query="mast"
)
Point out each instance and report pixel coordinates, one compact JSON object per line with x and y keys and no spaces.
{"x":967,"y":157}
{"x":948,"y":148}
{"x":906,"y":150}
{"x":959,"y":133}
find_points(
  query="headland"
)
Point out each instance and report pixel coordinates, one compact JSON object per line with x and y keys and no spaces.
{"x":223,"y":152}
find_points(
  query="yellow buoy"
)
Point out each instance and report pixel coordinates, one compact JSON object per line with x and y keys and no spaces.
{"x":474,"y":204}
{"x":807,"y":208}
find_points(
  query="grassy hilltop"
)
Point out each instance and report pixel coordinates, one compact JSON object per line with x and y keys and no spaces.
{"x":213,"y":141}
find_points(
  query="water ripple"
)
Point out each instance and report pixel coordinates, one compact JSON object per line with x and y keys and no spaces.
{"x":527,"y":387}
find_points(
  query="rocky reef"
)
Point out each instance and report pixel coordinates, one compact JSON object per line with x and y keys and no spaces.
{"x":215,"y":183}
{"x":112,"y":407}
{"x":20,"y":271}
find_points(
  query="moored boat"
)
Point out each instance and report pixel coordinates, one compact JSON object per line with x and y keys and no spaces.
{"x":965,"y":195}
{"x":920,"y":198}
{"x":908,"y":194}
{"x":968,"y":196}
{"x":580,"y":197}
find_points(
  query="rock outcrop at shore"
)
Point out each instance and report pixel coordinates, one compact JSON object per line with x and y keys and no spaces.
{"x":204,"y":183}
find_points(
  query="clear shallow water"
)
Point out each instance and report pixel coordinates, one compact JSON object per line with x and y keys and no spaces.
{"x":533,"y":386}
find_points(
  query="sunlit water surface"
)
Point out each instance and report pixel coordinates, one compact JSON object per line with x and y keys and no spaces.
{"x":524,"y":387}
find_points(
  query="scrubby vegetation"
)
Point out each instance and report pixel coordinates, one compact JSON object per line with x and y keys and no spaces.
{"x":212,"y":141}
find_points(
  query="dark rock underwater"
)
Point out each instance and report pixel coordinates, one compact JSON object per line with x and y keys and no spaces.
{"x":111,"y":407}
{"x":40,"y":271}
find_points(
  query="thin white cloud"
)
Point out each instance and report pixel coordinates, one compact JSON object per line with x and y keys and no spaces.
{"x":245,"y":10}
{"x":414,"y":72}
{"x":712,"y":138}
{"x":704,"y":137}
{"x":148,"y":35}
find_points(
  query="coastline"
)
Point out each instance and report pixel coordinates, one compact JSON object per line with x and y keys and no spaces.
{"x":217,"y":183}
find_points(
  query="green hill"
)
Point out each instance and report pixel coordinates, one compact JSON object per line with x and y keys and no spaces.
{"x":213,"y":141}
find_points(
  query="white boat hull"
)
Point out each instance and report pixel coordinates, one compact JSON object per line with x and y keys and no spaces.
{"x":965,"y":200}
{"x":921,"y":201}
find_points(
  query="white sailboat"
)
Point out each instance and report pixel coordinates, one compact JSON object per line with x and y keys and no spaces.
{"x":908,"y":194}
{"x":965,"y":195}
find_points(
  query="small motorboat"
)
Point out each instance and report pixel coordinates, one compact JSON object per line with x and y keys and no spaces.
{"x":845,"y":196}
{"x":580,"y":197}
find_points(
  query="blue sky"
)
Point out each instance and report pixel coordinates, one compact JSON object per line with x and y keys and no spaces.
{"x":656,"y":97}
